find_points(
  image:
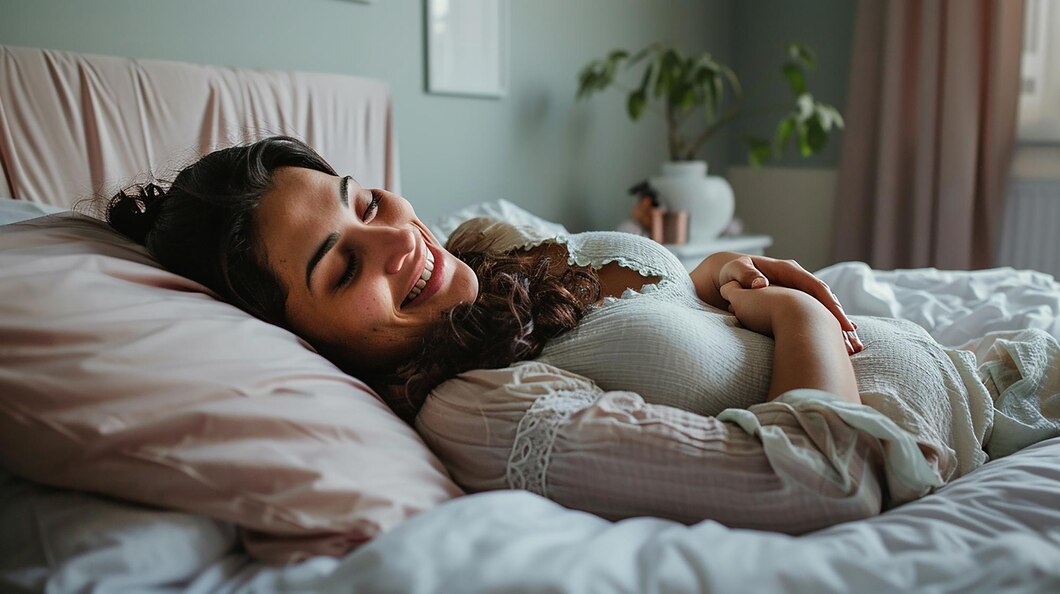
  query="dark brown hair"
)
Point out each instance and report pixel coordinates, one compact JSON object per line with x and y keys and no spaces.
{"x":201,"y":225}
{"x":525,"y":299}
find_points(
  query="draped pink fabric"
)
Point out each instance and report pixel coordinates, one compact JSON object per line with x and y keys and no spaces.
{"x":930,"y":130}
{"x":73,"y":125}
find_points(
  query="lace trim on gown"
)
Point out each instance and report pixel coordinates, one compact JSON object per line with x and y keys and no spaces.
{"x":596,"y":249}
{"x":532,"y":448}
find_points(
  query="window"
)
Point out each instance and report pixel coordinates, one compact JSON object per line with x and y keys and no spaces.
{"x":1039,"y":104}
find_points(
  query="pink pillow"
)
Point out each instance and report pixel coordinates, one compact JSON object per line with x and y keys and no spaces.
{"x":121,"y":378}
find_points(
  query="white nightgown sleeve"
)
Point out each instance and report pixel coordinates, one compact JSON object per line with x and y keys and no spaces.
{"x":792,"y":465}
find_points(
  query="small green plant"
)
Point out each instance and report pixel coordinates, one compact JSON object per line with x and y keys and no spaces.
{"x":685,"y":85}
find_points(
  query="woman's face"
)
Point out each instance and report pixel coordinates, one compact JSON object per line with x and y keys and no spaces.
{"x":365,"y":278}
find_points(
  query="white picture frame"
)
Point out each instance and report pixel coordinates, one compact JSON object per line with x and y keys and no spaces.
{"x":467,"y":47}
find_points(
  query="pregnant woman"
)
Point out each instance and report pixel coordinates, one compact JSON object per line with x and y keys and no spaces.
{"x":591,"y":368}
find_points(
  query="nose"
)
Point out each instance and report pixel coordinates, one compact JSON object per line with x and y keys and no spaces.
{"x":394,"y":247}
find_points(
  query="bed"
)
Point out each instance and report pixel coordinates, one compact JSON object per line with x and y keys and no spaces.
{"x":110,"y":120}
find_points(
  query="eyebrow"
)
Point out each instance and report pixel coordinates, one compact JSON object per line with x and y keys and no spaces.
{"x":330,"y":241}
{"x":344,"y":191}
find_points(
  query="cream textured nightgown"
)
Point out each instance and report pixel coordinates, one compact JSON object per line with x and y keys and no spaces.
{"x":658,"y":407}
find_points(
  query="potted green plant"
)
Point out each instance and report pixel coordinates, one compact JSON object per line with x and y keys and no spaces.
{"x":697,"y":96}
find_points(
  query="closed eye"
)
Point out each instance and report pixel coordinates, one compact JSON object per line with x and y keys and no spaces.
{"x":372,"y":208}
{"x":351,"y":265}
{"x":348,"y":274}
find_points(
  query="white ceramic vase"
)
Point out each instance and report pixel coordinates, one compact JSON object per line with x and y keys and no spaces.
{"x":685,"y":185}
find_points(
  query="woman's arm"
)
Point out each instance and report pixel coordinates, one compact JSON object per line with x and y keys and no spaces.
{"x":760,"y":271}
{"x":613,"y":454}
{"x":809,"y":351}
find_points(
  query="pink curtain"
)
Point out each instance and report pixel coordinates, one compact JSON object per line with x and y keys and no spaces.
{"x":930,"y":129}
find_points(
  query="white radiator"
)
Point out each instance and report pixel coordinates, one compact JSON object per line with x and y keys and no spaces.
{"x":1030,"y":235}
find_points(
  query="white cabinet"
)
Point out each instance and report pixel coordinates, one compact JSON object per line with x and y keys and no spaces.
{"x":691,"y":254}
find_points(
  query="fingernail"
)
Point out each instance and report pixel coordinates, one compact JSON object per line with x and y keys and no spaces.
{"x":854,"y":325}
{"x":758,"y":282}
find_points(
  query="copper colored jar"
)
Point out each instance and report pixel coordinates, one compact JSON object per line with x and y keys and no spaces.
{"x":669,"y":226}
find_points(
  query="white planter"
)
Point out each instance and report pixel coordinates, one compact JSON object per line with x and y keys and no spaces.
{"x":685,"y":185}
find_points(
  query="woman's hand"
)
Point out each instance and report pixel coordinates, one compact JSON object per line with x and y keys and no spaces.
{"x":758,"y":309}
{"x":807,"y":353}
{"x":754,"y":272}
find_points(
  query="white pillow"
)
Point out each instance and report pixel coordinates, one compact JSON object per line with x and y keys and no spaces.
{"x":500,"y":210}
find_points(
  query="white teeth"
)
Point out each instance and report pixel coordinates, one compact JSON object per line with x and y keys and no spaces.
{"x":428,"y":269}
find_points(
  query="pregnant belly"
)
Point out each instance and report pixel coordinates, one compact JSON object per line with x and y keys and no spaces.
{"x":669,"y":353}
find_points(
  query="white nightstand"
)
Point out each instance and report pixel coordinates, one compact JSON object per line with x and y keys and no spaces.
{"x":691,"y":254}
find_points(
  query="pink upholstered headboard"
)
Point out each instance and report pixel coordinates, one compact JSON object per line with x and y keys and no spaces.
{"x":72,"y":125}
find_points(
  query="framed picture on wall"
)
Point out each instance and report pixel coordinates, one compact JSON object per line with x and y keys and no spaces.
{"x":467,"y":47}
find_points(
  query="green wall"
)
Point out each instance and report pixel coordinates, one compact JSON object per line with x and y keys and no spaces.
{"x":568,"y":161}
{"x":536,"y":147}
{"x":764,"y":28}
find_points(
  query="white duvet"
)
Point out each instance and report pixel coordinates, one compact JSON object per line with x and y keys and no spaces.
{"x":953,"y":306}
{"x":994,"y":530}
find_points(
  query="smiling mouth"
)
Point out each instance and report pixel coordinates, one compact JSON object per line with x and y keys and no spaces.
{"x":428,"y":269}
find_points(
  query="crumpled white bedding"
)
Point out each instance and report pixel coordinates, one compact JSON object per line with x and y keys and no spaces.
{"x":982,"y":533}
{"x":953,"y":306}
{"x":994,"y":530}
